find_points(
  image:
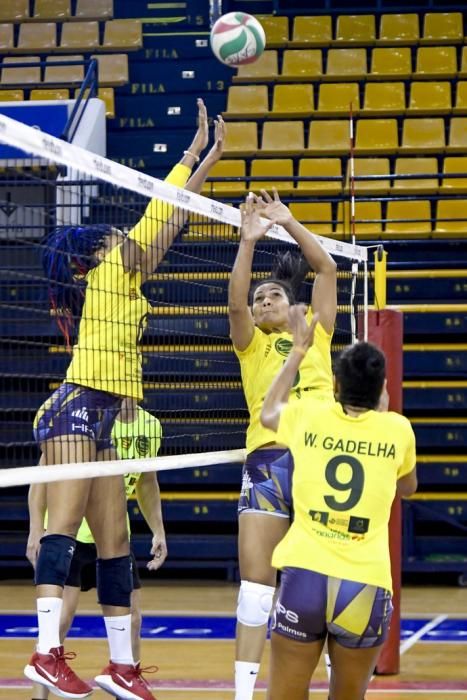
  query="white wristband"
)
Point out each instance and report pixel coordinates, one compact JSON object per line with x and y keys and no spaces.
{"x":189,"y":153}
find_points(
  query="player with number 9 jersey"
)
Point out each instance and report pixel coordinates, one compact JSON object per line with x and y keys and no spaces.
{"x":344,"y":483}
{"x":351,"y":458}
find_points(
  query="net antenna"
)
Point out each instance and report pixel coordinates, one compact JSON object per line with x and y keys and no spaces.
{"x":355,"y":267}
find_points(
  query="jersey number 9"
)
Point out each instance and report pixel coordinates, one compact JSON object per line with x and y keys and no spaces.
{"x":354,"y":485}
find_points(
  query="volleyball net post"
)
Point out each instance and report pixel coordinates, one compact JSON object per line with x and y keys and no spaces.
{"x":385,"y":329}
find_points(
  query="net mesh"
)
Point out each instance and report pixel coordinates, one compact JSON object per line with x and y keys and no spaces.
{"x":191,"y":378}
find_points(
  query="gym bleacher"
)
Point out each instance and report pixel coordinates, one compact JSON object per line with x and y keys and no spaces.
{"x":404,"y":70}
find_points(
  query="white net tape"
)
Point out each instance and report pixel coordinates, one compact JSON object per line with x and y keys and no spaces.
{"x":21,"y":476}
{"x":52,"y":149}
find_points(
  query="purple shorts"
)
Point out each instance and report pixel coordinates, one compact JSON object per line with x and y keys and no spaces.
{"x":267,"y":483}
{"x":77,"y":410}
{"x":311,"y":606}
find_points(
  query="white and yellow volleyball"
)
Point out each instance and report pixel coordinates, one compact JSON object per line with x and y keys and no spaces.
{"x":237,"y":38}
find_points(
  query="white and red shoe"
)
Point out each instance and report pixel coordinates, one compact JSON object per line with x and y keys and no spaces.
{"x":52,"y":671}
{"x":125,"y":681}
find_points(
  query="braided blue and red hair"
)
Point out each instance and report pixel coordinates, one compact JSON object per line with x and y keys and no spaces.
{"x":66,"y":259}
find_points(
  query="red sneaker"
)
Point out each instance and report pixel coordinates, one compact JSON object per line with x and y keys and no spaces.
{"x":53,"y":671}
{"x":126,"y":681}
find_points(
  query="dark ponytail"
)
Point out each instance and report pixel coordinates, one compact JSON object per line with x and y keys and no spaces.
{"x":289,"y":271}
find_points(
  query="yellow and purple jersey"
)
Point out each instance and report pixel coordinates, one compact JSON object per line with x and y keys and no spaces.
{"x":344,"y":482}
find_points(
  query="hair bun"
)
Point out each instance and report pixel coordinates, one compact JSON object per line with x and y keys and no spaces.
{"x":290,"y":267}
{"x":373,"y":365}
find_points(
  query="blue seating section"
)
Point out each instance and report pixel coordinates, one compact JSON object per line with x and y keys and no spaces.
{"x":229,"y":433}
{"x":415,"y":291}
{"x":162,"y":110}
{"x":215,"y":363}
{"x":192,"y":15}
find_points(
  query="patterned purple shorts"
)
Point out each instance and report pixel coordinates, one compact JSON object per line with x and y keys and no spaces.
{"x":267,"y":483}
{"x":311,"y":606}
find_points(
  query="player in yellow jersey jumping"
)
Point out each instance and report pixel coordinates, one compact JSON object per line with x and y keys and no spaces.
{"x":350,"y":460}
{"x":135,"y":434}
{"x":262,"y":341}
{"x":101,"y":267}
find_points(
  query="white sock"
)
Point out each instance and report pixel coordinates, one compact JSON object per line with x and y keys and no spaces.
{"x":246,"y":674}
{"x":327,"y":663}
{"x":119,"y":637}
{"x":48,"y":619}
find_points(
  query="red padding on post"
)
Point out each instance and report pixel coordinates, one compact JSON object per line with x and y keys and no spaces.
{"x":385,"y":329}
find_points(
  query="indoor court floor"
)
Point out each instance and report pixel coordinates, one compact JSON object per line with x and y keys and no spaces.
{"x":188,"y":634}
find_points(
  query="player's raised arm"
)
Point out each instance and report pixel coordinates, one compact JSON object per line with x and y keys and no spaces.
{"x":324,"y":296}
{"x":278,"y":394}
{"x":197,"y":180}
{"x":240,"y":318}
{"x":149,"y":240}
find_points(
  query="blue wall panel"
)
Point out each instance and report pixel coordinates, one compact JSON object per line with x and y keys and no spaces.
{"x":173,"y":44}
{"x":136,"y":112}
{"x":193,"y":13}
{"x":206,"y":74}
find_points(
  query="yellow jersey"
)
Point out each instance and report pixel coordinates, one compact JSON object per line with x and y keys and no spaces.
{"x":140,"y":438}
{"x":344,"y":483}
{"x":106,"y":356}
{"x":261,"y":361}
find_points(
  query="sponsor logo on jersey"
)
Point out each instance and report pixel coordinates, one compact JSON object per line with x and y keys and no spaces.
{"x":142,"y":445}
{"x":283,"y":346}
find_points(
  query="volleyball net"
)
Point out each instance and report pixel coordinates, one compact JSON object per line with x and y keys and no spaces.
{"x":191,"y":377}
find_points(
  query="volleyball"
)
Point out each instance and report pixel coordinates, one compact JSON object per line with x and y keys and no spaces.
{"x":237,"y":38}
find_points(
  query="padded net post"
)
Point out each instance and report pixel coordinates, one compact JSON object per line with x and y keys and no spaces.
{"x":385,"y":329}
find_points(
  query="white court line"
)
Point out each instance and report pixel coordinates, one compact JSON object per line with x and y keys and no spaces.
{"x":407,"y":615}
{"x":210,"y":613}
{"x":160,"y":613}
{"x":444,"y":641}
{"x":370,"y":691}
{"x":408,"y":643}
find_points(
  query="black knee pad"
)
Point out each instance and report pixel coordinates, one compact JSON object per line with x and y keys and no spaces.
{"x":53,"y":563}
{"x":114,"y":581}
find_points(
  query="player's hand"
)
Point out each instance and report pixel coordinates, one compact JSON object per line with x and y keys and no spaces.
{"x":303,"y":334}
{"x":158,"y":551}
{"x":252,"y":229}
{"x":33,"y":546}
{"x":201,"y":139}
{"x":217,"y":148}
{"x":273,"y":208}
